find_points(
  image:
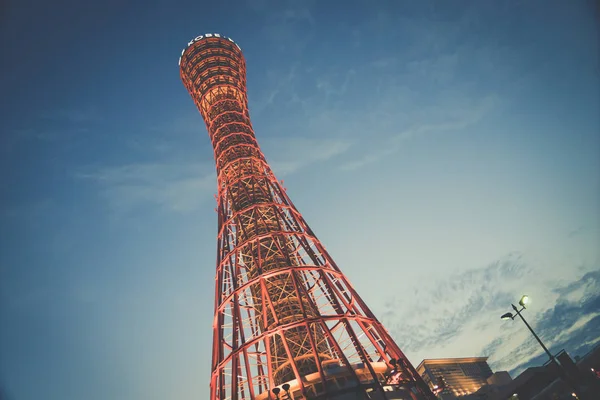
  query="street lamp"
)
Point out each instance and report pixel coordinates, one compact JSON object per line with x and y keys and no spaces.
{"x":525,"y":300}
{"x":508,"y":315}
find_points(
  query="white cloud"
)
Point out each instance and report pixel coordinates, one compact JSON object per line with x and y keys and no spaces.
{"x":453,"y":306}
{"x":283,"y":88}
{"x":183,"y":187}
{"x":580,"y":323}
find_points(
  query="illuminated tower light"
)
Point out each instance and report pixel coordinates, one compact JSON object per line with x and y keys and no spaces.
{"x":287,"y":322}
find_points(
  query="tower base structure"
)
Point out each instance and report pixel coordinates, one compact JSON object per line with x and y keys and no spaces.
{"x":341,"y":384}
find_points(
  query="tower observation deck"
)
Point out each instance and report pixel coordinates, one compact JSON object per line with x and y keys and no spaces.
{"x":287,"y":323}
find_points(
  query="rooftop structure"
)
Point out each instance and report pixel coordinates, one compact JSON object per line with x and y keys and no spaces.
{"x":461,"y":376}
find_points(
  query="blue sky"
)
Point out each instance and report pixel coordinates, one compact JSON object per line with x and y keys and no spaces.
{"x":447,"y":154}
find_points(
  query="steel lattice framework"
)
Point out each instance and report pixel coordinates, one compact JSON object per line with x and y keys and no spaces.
{"x":284,"y":312}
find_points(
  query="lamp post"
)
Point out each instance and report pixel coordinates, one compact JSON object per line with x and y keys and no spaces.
{"x":524,"y":300}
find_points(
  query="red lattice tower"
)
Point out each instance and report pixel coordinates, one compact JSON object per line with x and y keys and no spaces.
{"x":287,"y":323}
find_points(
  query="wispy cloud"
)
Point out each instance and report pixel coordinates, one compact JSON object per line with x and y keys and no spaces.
{"x":283,"y":22}
{"x":175,"y":183}
{"x":400,"y":96}
{"x":282,"y":90}
{"x":429,"y":87}
{"x":451,"y":301}
{"x":183,"y":187}
{"x":173,"y":187}
{"x":288,"y":155}
{"x":325,"y":85}
{"x":451,"y":118}
{"x":579,"y":231}
{"x":58,"y":125}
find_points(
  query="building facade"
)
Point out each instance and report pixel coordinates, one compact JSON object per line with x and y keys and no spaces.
{"x":461,"y":376}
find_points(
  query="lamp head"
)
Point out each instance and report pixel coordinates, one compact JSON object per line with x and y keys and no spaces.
{"x":286,"y":387}
{"x":524,"y":300}
{"x":507,"y":316}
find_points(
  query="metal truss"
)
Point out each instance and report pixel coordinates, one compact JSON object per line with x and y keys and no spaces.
{"x":286,"y":318}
